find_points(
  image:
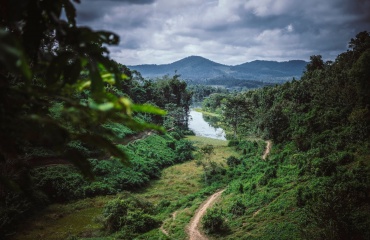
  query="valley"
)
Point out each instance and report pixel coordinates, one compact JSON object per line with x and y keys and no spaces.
{"x":92,"y":149}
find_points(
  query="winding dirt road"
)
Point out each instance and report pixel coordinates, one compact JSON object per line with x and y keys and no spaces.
{"x":267,"y":150}
{"x":193,"y":229}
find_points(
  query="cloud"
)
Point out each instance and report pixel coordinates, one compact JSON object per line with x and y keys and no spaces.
{"x":128,"y":1}
{"x":229,"y":32}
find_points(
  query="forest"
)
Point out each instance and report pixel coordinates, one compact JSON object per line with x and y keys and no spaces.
{"x":81,"y":132}
{"x":318,"y":173}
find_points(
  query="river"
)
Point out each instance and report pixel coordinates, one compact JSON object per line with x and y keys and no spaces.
{"x":204,"y":129}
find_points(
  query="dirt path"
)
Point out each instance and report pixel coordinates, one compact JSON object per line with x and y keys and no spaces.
{"x":193,"y":229}
{"x":164,"y":231}
{"x":267,"y":150}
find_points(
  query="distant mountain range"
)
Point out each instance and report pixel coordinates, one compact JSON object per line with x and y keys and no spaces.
{"x":197,"y":69}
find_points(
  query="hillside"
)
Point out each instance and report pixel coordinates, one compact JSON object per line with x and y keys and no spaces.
{"x":315,"y":183}
{"x":202,"y":70}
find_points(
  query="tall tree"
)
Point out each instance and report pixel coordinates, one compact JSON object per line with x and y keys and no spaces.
{"x":236,"y":111}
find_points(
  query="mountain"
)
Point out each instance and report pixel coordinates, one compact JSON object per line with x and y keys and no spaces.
{"x":198,"y":69}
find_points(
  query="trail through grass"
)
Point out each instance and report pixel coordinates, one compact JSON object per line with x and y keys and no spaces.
{"x":178,"y":184}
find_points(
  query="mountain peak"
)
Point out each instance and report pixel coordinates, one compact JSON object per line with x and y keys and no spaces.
{"x":196,"y":60}
{"x":200,"y":69}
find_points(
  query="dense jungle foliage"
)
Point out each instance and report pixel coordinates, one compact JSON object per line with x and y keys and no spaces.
{"x":316,"y":182}
{"x":68,"y":121}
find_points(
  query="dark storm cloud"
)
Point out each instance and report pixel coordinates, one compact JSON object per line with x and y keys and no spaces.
{"x":94,"y":10}
{"x":129,"y":1}
{"x":227,"y":31}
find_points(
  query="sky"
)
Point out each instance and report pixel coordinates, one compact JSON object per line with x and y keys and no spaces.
{"x":230,"y":32}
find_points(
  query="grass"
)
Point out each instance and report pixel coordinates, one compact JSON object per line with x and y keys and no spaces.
{"x":222,"y":151}
{"x":63,"y":221}
{"x":207,"y":113}
{"x":175,"y":182}
{"x":181,"y":185}
{"x":178,"y":183}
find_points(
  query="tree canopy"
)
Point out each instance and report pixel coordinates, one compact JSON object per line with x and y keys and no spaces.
{"x":57,"y":86}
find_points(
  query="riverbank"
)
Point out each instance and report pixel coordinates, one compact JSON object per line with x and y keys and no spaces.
{"x":206,"y":113}
{"x":201,"y":127}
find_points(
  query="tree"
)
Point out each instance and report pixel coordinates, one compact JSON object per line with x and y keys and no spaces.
{"x":236,"y":111}
{"x":360,"y":43}
{"x":172,"y":95}
{"x":47,"y":60}
{"x":206,"y":153}
{"x":316,"y":63}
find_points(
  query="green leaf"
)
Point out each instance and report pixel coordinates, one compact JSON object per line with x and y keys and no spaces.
{"x":108,"y":78}
{"x":82,"y":84}
{"x":147,"y":108}
{"x":104,"y":107}
{"x":126,"y":104}
{"x":12,"y":54}
{"x":97,"y":85}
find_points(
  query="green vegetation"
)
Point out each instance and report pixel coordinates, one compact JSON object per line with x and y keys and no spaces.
{"x":75,"y":125}
{"x":68,"y":119}
{"x":64,"y":183}
{"x":315,"y":183}
{"x":214,"y":222}
{"x":171,"y":199}
{"x":130,"y":216}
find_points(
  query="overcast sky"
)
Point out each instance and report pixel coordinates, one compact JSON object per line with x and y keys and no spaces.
{"x":226,"y":31}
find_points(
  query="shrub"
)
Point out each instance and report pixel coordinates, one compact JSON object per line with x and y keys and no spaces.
{"x":175,"y":135}
{"x":213,"y":221}
{"x":189,"y":132}
{"x":59,"y":183}
{"x":237,"y":208}
{"x":98,"y":188}
{"x":233,"y":143}
{"x":184,"y":150}
{"x":269,"y":174}
{"x":130,"y":215}
{"x":233,"y":161}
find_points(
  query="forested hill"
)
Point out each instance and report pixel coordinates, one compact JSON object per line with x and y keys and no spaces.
{"x":202,"y":70}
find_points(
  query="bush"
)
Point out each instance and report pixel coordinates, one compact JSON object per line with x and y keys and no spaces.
{"x":59,"y":183}
{"x":189,"y":132}
{"x":233,"y":143}
{"x":237,"y":208}
{"x":98,"y":188}
{"x":184,"y":151}
{"x":233,"y":161}
{"x":176,"y":135}
{"x":213,"y":221}
{"x":270,"y":173}
{"x":129,"y":215}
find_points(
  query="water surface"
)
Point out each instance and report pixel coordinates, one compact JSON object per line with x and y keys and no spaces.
{"x":204,"y":129}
